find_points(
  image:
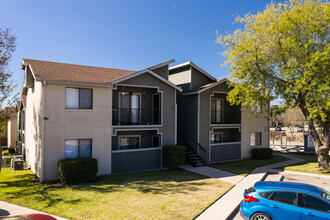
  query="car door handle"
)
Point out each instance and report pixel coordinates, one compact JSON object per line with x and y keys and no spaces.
{"x":309,"y":214}
{"x":274,"y":206}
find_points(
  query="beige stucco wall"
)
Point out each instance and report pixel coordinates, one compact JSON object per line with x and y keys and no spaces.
{"x":33,"y":128}
{"x":253,"y":122}
{"x":12,"y":132}
{"x":62,"y":124}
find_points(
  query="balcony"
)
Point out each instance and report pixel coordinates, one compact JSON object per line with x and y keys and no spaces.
{"x":225,"y":117}
{"x":135,"y":116}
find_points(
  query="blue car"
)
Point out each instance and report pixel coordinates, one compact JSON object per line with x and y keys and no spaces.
{"x":285,"y":200}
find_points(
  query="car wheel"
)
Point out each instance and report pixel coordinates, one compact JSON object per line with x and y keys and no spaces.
{"x":260,"y":216}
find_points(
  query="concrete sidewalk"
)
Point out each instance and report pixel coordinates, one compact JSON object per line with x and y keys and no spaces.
{"x":214,"y":173}
{"x":8,"y":209}
{"x":226,"y":205}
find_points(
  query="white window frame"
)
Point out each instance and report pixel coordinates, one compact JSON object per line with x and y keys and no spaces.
{"x":214,"y":133}
{"x":255,"y":139}
{"x":79,"y":146}
{"x":119,"y":104}
{"x":222,"y":110}
{"x":84,"y":109}
{"x":128,"y":136}
{"x":256,"y":109}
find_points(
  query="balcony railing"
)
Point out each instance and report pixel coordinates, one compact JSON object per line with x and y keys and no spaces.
{"x":226,"y":117}
{"x":136,"y":116}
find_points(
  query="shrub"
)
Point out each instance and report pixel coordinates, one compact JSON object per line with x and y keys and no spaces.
{"x":262,"y":153}
{"x":173,"y":155}
{"x":78,"y":170}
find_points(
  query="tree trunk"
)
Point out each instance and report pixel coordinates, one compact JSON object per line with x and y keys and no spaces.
{"x":0,"y":157}
{"x":321,"y":149}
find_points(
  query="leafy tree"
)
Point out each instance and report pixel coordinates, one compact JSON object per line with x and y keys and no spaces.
{"x":275,"y":113}
{"x":284,"y":52}
{"x":7,"y":86}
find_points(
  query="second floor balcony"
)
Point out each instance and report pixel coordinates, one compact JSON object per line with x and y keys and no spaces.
{"x":225,"y":117}
{"x":136,"y":116}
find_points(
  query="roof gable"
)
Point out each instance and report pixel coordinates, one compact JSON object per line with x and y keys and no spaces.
{"x":189,"y":63}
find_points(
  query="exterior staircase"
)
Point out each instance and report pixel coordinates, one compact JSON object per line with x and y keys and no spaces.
{"x":191,"y":154}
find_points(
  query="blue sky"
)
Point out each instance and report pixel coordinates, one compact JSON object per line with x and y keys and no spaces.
{"x":122,"y":34}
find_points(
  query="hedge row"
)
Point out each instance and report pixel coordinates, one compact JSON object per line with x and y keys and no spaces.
{"x":78,"y":170}
{"x":173,"y":155}
{"x":262,"y":153}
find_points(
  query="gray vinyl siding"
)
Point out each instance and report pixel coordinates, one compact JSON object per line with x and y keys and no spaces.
{"x":162,"y":71}
{"x":204,"y":122}
{"x":198,"y":79}
{"x":225,"y":152}
{"x":181,"y":77}
{"x":187,"y":118}
{"x":136,"y":160}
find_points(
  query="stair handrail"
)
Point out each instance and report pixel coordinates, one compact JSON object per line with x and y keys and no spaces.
{"x":201,"y":147}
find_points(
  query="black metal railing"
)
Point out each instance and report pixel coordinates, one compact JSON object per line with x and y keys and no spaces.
{"x":203,"y":153}
{"x":225,"y":117}
{"x":136,"y":116}
{"x":201,"y":147}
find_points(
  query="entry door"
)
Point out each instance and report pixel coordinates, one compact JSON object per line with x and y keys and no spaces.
{"x":130,"y":108}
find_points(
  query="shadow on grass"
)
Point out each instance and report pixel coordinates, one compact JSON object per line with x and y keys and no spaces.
{"x":155,"y":182}
{"x":147,"y":182}
{"x":27,"y":186}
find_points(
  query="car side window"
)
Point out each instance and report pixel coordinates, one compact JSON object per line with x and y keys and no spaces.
{"x":311,"y":202}
{"x":290,"y":198}
{"x":265,"y":195}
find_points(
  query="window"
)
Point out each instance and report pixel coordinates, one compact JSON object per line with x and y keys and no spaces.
{"x":156,"y":141}
{"x":216,"y":137}
{"x":290,"y":198}
{"x":255,"y":139}
{"x":311,"y":202}
{"x":257,"y":108}
{"x":130,"y":108}
{"x":129,"y":142}
{"x":265,"y":195}
{"x":216,"y":111}
{"x":81,"y":148}
{"x":79,"y":98}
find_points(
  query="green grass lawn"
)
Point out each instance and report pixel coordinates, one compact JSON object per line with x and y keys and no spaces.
{"x":244,"y":167}
{"x":175,"y":194}
{"x":308,"y":166}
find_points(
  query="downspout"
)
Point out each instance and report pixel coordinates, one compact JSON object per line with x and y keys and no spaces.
{"x":175,"y":118}
{"x":42,"y":175}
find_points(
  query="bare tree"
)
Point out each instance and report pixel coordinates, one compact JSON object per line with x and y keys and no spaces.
{"x":7,"y":86}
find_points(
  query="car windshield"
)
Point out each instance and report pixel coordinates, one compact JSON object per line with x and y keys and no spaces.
{"x":326,"y":195}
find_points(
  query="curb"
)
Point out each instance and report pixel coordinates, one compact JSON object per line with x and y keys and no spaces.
{"x":237,"y":207}
{"x":319,"y":176}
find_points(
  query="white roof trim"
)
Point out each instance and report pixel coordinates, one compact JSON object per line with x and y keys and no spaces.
{"x":161,"y":64}
{"x":193,"y":65}
{"x":207,"y":88}
{"x":146,"y":71}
